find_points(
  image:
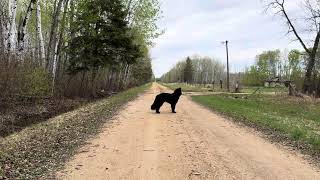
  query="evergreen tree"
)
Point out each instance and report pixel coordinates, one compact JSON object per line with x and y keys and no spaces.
{"x":188,"y":71}
{"x":142,"y":71}
{"x":103,"y":37}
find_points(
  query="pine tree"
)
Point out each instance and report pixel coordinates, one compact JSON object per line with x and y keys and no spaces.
{"x":103,"y":37}
{"x":188,"y":71}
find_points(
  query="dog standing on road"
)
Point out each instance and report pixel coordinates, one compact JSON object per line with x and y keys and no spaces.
{"x":166,"y":97}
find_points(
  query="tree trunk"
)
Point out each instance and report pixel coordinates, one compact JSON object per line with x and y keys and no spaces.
{"x":111,"y":79}
{"x":2,"y":35}
{"x":71,"y":22}
{"x":54,"y":68}
{"x":23,"y":27}
{"x":53,"y":36}
{"x":318,"y":89}
{"x":61,"y":39}
{"x":93,"y":78}
{"x":12,"y":26}
{"x":127,"y":75}
{"x":5,"y":25}
{"x":308,"y":86}
{"x":122,"y":76}
{"x":40,"y":36}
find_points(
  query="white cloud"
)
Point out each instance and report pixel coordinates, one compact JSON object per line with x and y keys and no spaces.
{"x":198,"y":27}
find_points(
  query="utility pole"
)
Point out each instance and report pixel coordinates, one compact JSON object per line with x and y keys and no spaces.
{"x":227,"y":50}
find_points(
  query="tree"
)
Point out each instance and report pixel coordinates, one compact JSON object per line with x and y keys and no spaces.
{"x":254,"y":77}
{"x":53,"y":35}
{"x":267,"y":63}
{"x":39,"y":33}
{"x":264,"y":68}
{"x":142,"y":16}
{"x":142,"y":71}
{"x":3,"y":28}
{"x":204,"y":70}
{"x":188,"y":71}
{"x":12,"y":26}
{"x":99,"y":43}
{"x":23,"y":26}
{"x":294,"y":58}
{"x":103,"y":39}
{"x":313,"y":19}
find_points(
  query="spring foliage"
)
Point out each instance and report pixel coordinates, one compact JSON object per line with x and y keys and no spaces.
{"x":80,"y":47}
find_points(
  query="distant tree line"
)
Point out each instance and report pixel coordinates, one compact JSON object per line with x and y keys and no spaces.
{"x":285,"y":65}
{"x":196,"y":70}
{"x":75,"y":47}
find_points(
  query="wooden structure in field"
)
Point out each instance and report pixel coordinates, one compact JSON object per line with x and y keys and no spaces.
{"x":276,"y":81}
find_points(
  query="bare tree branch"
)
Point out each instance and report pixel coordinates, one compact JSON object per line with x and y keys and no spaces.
{"x":279,"y":6}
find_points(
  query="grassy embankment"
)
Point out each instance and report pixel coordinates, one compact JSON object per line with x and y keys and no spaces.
{"x":41,"y":149}
{"x":290,"y":119}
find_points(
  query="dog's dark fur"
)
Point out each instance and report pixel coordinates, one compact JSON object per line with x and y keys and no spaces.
{"x":166,"y":97}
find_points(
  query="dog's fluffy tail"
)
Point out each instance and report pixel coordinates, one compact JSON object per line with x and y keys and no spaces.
{"x":153,"y":107}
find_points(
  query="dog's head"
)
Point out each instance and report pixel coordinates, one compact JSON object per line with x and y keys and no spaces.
{"x":178,"y":91}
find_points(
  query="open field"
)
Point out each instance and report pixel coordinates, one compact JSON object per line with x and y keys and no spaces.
{"x":265,"y":90}
{"x":191,"y":88}
{"x":292,"y":118}
{"x":44,"y":147}
{"x":208,"y":88}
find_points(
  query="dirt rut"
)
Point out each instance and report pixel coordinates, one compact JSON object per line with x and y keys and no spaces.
{"x":195,"y":143}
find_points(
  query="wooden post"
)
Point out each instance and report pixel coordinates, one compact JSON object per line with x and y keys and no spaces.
{"x":227,"y":50}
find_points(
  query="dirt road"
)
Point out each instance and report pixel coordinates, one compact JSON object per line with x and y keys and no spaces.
{"x":195,"y":143}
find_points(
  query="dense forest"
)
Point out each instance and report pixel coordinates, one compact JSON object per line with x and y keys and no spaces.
{"x":75,"y":47}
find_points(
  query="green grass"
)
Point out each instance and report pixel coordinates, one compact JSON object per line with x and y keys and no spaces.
{"x":265,"y":90}
{"x":293,"y":119}
{"x":191,"y":88}
{"x":43,"y":148}
{"x":205,"y":88}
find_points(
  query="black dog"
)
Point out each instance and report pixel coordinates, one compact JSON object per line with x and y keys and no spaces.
{"x":166,"y":97}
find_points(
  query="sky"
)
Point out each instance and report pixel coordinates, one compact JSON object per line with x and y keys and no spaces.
{"x":198,"y":27}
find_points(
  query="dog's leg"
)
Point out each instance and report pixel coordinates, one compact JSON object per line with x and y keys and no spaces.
{"x":173,"y":107}
{"x":157,"y":110}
